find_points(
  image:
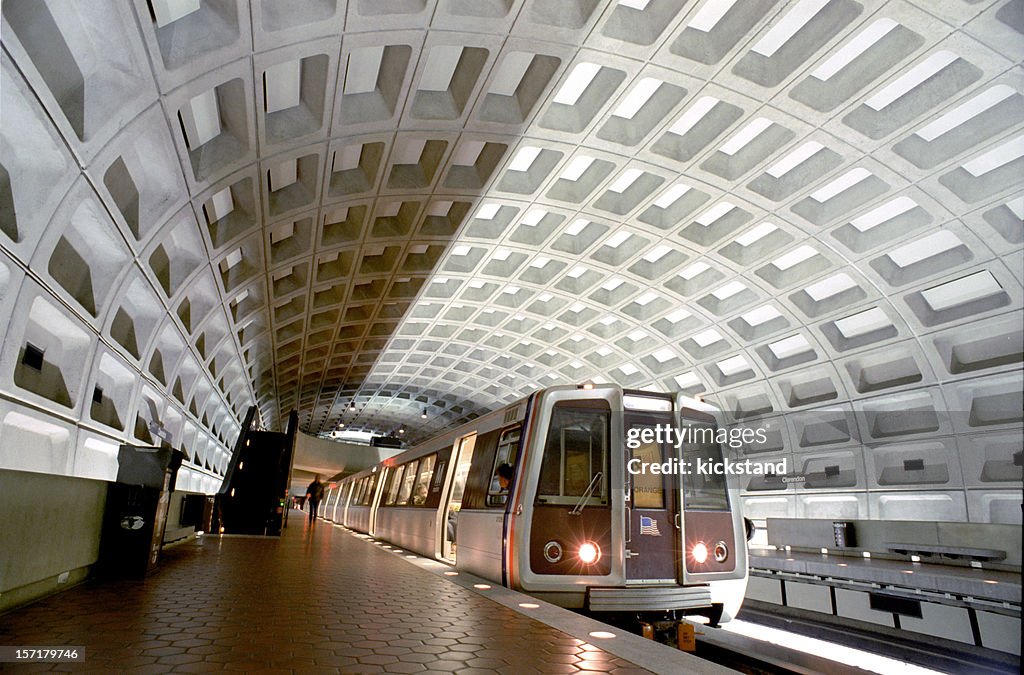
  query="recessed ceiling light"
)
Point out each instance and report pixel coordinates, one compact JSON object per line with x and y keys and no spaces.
{"x":577,"y":82}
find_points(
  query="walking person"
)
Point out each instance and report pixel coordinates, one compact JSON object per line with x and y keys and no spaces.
{"x":314,"y":493}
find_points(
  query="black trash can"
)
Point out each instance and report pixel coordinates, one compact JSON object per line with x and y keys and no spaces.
{"x":136,"y":510}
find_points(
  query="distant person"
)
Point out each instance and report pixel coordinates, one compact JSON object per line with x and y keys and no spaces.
{"x":501,"y":481}
{"x":505,"y":473}
{"x":314,"y":493}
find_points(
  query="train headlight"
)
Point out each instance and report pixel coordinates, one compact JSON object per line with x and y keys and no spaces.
{"x":589,"y":553}
{"x":699,"y":552}
{"x":552,"y":551}
{"x":721,"y":552}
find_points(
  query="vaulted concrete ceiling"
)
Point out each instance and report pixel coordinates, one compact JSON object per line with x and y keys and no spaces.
{"x":437,"y":206}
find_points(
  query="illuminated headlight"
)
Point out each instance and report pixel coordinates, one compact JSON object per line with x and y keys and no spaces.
{"x":721,"y":552}
{"x":589,"y":553}
{"x":699,"y":552}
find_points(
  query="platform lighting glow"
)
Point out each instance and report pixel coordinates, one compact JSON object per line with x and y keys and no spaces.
{"x":699,"y":552}
{"x":482,"y":587}
{"x":601,"y":634}
{"x":529,"y":605}
{"x":834,"y":652}
{"x":451,"y":574}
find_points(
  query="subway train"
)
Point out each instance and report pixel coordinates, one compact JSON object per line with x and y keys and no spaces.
{"x":539,"y":497}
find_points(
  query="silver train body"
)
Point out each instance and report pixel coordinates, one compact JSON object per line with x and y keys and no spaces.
{"x":575,"y":527}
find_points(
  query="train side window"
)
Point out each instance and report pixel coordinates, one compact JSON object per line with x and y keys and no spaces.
{"x":419,"y":491}
{"x":371,"y":486}
{"x":508,"y":447}
{"x":368,"y":490}
{"x":394,"y":485}
{"x":408,"y":478}
{"x":575,"y":455}
{"x":360,"y":489}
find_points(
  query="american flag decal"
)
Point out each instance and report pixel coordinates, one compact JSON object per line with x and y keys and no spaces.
{"x":649,"y":526}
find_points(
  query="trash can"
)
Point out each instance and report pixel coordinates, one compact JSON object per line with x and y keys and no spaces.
{"x":136,"y":511}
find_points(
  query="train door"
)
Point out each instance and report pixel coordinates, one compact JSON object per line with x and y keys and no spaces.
{"x":712,"y":532}
{"x":372,"y":498}
{"x":652,"y":506}
{"x":462,"y":459}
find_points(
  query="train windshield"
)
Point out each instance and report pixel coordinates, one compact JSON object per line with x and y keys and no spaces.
{"x":704,"y":486}
{"x":576,"y":454}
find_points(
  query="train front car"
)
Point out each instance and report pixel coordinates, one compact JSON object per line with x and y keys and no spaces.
{"x":608,"y":516}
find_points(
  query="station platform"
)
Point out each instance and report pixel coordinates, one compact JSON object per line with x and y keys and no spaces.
{"x":321,"y":599}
